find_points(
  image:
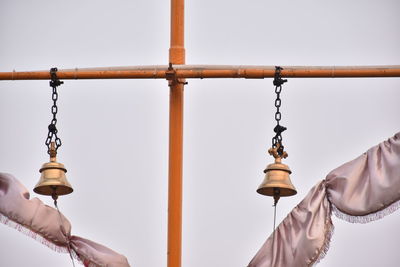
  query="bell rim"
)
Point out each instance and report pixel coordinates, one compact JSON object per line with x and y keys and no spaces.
{"x":66,"y":190}
{"x":288,"y":192}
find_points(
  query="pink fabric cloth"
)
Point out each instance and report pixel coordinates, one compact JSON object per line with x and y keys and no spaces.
{"x":299,"y":239}
{"x":44,"y":223}
{"x":369,"y":183}
{"x":364,"y":189}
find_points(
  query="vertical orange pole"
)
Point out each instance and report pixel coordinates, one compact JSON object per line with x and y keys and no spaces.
{"x":176,"y":56}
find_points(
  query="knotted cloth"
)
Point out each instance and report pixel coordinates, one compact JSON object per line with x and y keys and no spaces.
{"x":362,"y":190}
{"x":44,"y":224}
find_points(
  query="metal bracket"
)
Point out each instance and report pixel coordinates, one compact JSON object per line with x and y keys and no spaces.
{"x":274,"y":151}
{"x":278,"y":81}
{"x":54,"y":82}
{"x":171,"y":76}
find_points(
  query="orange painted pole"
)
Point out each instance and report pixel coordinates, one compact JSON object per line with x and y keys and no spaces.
{"x":177,"y":54}
{"x":176,"y":57}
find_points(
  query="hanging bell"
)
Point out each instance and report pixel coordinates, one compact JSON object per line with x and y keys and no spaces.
{"x":53,"y":181}
{"x":277,"y":181}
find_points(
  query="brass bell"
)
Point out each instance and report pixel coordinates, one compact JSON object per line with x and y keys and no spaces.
{"x":53,"y":181}
{"x":277,"y":181}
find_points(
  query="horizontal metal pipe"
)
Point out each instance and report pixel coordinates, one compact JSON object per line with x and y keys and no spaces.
{"x":209,"y":71}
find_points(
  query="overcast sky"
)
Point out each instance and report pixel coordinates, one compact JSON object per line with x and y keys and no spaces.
{"x":115,"y":132}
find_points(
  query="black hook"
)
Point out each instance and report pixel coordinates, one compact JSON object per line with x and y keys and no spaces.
{"x":54,"y":79}
{"x":278,"y":81}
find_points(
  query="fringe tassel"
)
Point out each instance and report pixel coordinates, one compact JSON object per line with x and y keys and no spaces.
{"x":325,"y":247}
{"x":28,"y":232}
{"x":369,"y":217}
{"x":329,"y":230}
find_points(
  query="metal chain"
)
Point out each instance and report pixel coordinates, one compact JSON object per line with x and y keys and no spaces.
{"x":277,"y":139}
{"x":54,"y":109}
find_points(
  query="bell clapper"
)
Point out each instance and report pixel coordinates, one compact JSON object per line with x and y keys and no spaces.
{"x":277,"y":195}
{"x":54,"y":195}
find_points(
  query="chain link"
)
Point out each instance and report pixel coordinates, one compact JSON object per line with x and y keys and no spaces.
{"x":277,"y":139}
{"x":54,"y":109}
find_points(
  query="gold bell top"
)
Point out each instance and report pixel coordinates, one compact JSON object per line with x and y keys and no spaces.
{"x":277,"y":176}
{"x":53,"y":180}
{"x":277,"y":181}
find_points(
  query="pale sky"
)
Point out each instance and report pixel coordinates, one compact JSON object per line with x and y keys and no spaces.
{"x":115,"y":132}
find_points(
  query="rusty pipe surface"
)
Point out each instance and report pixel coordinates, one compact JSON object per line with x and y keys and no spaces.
{"x":208,"y":71}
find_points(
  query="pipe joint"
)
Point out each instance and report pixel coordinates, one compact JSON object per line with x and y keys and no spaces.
{"x":172,"y":77}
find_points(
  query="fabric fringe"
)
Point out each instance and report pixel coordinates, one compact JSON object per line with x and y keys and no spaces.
{"x":28,"y":232}
{"x":329,"y":230}
{"x":325,"y":247}
{"x":369,"y":217}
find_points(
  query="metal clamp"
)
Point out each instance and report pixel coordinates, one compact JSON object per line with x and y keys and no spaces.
{"x":54,"y":79}
{"x":171,"y":76}
{"x":278,"y":81}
